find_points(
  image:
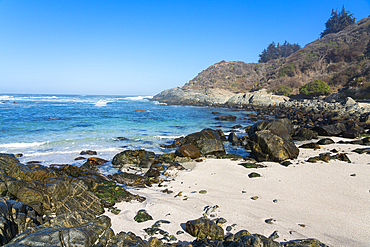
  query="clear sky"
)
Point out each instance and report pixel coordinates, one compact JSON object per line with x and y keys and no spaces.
{"x":143,"y":47}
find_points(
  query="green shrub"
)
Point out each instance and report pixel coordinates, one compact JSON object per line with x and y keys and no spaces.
{"x":283,"y":90}
{"x":287,"y":70}
{"x":315,"y":88}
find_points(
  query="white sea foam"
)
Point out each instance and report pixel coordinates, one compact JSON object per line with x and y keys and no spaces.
{"x":138,"y":97}
{"x":168,"y":137}
{"x":21,"y":145}
{"x":101,"y":103}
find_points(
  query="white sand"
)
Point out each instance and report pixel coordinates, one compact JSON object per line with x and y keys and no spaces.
{"x":333,"y":206}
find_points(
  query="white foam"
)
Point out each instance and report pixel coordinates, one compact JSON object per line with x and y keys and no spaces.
{"x":101,"y":103}
{"x":139,"y":97}
{"x":168,"y":137}
{"x":21,"y":145}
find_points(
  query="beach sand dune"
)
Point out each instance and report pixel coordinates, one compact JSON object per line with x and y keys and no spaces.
{"x":327,"y":201}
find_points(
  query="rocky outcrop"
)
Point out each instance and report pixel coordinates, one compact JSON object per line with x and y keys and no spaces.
{"x":259,"y":98}
{"x":340,"y":59}
{"x":181,"y":96}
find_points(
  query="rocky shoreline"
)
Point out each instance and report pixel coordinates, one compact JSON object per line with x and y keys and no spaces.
{"x":60,"y":205}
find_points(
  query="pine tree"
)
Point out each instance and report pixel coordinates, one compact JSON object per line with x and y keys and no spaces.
{"x":274,"y":51}
{"x":338,"y":21}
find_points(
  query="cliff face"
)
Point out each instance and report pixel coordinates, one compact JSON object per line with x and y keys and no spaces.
{"x":340,"y":59}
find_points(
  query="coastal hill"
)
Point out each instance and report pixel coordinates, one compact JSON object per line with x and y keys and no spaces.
{"x":340,"y":59}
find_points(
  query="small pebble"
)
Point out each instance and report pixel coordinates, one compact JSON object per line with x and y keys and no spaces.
{"x":302,"y":225}
{"x":202,"y":192}
{"x":275,"y":201}
{"x":269,"y":221}
{"x":254,"y":197}
{"x":229,"y":228}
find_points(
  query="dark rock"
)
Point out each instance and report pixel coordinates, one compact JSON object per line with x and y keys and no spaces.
{"x":266,"y":146}
{"x":94,"y":163}
{"x":188,"y":150}
{"x":361,"y":150}
{"x":322,"y":157}
{"x":254,"y":175}
{"x":238,"y":126}
{"x":130,"y":179}
{"x":154,"y":172}
{"x":233,"y":139}
{"x":304,"y":134}
{"x":126,"y":239}
{"x":216,"y":113}
{"x":310,"y":145}
{"x":286,"y":163}
{"x":131,"y":157}
{"x":207,"y":141}
{"x":325,"y":141}
{"x":146,"y":163}
{"x":221,"y":134}
{"x":252,"y":165}
{"x":80,"y":158}
{"x":203,"y":228}
{"x":226,"y":118}
{"x":330,"y":130}
{"x":120,"y":138}
{"x":93,"y":233}
{"x":305,"y":242}
{"x":142,"y":216}
{"x":342,"y":157}
{"x":15,"y":217}
{"x":88,"y":152}
{"x":282,"y":128}
{"x":352,"y":133}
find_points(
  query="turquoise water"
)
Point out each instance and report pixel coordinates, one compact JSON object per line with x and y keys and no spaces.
{"x":54,"y":129}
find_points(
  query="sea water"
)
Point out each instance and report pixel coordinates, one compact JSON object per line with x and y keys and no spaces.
{"x":54,"y":129}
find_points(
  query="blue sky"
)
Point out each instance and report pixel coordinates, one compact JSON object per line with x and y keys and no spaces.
{"x":143,"y":47}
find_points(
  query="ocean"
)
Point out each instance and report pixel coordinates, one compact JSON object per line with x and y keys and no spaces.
{"x":54,"y":129}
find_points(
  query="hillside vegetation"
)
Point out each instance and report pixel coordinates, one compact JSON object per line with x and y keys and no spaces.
{"x":341,"y":59}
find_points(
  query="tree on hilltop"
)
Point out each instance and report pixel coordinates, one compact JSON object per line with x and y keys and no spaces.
{"x":338,"y":21}
{"x":274,"y":51}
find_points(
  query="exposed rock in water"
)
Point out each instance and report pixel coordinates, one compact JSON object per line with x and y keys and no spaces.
{"x":183,"y":96}
{"x":226,"y":118}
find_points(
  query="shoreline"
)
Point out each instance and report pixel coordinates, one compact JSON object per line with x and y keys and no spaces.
{"x":325,"y":201}
{"x":314,"y":200}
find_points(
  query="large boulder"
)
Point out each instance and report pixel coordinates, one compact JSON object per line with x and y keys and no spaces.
{"x":132,"y":157}
{"x":95,"y":232}
{"x":188,"y":150}
{"x":271,"y":141}
{"x":334,"y":129}
{"x":15,"y":218}
{"x":266,"y":146}
{"x":282,"y":127}
{"x":208,"y":142}
{"x":204,"y":228}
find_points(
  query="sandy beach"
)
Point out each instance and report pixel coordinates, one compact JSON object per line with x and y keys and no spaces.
{"x":327,"y":201}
